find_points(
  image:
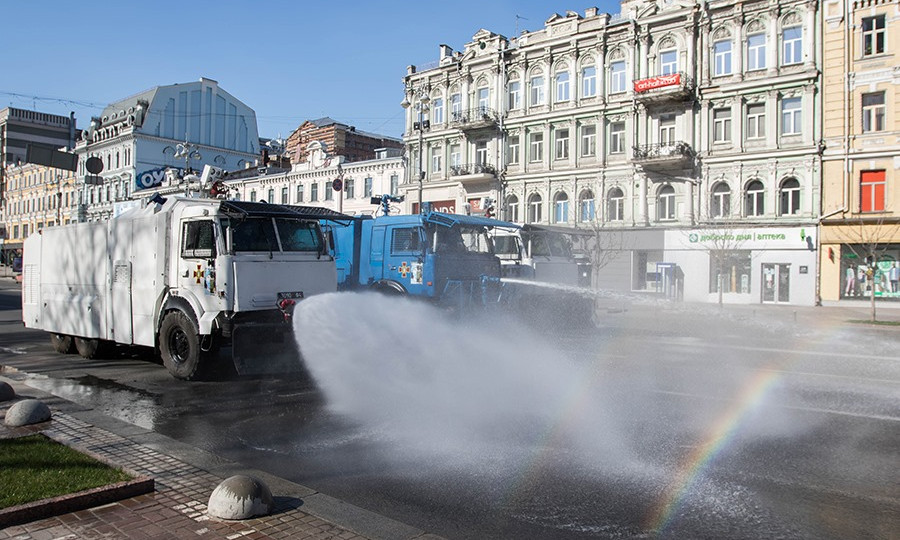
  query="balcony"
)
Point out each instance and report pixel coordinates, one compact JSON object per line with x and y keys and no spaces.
{"x":662,"y":156}
{"x":474,"y":119}
{"x":673,"y":87}
{"x":473,"y":173}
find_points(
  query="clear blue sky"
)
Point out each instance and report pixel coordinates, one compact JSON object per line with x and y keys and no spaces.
{"x":288,"y":60}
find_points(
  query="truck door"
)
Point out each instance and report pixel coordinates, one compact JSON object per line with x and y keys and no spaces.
{"x":196,"y":265}
{"x":376,"y":254}
{"x":405,"y":249}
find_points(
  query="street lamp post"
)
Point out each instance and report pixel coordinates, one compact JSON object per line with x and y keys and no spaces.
{"x":420,"y":102}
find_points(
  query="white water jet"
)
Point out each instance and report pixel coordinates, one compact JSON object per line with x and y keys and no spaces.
{"x":483,"y":393}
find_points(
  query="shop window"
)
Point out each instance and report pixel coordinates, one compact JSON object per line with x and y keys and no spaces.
{"x":730,"y":270}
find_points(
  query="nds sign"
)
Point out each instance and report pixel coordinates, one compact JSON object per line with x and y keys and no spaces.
{"x":151,"y":178}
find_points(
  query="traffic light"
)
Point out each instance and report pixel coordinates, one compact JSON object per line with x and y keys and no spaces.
{"x":488,"y":207}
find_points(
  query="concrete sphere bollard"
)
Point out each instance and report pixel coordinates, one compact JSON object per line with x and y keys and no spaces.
{"x":26,"y":412}
{"x":6,"y":391}
{"x":240,"y":497}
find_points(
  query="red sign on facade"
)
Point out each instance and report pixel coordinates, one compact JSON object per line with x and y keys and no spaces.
{"x":448,"y":206}
{"x":657,"y":82}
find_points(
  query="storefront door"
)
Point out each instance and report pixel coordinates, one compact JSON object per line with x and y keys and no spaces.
{"x":776,"y":281}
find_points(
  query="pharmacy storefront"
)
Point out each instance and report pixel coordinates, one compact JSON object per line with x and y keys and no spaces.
{"x":770,"y":265}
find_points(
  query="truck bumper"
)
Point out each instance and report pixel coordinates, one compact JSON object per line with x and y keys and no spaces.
{"x":261,"y":347}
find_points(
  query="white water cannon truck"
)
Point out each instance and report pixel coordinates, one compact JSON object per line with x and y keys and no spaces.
{"x":183,"y":275}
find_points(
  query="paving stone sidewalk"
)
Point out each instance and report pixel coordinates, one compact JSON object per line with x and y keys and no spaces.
{"x":177,"y":508}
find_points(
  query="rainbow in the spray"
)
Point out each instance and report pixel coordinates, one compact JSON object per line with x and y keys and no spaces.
{"x":721,"y":433}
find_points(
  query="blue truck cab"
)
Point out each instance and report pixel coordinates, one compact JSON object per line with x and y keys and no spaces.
{"x":437,"y":256}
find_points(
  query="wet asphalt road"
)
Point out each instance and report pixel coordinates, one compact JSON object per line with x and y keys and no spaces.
{"x":690,"y":424}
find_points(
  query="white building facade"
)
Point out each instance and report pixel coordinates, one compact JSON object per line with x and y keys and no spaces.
{"x":136,"y":139}
{"x":312,"y":183}
{"x":669,"y":118}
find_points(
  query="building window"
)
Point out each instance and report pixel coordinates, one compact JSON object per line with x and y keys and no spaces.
{"x":512,"y":208}
{"x":437,"y":111}
{"x":395,"y":184}
{"x":873,"y":112}
{"x":586,"y":206}
{"x":668,"y":62}
{"x":314,"y":192}
{"x":722,"y":57}
{"x":536,"y":147}
{"x":481,"y":152}
{"x":329,"y":193}
{"x":665,"y":204}
{"x":253,"y":196}
{"x":484,"y":99}
{"x":350,"y":188}
{"x":615,"y":205}
{"x":720,"y":201}
{"x":791,"y":116}
{"x":589,"y":81}
{"x":617,"y":138}
{"x":455,"y":107}
{"x":512,"y":154}
{"x":515,"y":95}
{"x":284,"y":195}
{"x":588,"y":140}
{"x":535,"y":204}
{"x":754,"y":200}
{"x":666,"y":129}
{"x":299,"y":193}
{"x":730,"y":270}
{"x":871,"y":196}
{"x":873,"y":34}
{"x":537,"y":91}
{"x":790,"y":197}
{"x":756,"y":121}
{"x":271,"y":197}
{"x":722,"y":125}
{"x":756,"y":52}
{"x":455,"y":156}
{"x":792,"y":39}
{"x":436,"y":160}
{"x":562,"y":86}
{"x":367,"y":187}
{"x":617,"y":79}
{"x":562,"y":144}
{"x":561,"y":208}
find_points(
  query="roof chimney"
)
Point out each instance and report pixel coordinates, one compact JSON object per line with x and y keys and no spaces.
{"x":590,"y":12}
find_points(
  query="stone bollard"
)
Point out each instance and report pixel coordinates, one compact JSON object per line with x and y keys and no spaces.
{"x":6,"y":391}
{"x":240,"y":497}
{"x":26,"y":412}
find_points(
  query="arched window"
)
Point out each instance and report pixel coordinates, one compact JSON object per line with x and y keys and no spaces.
{"x":665,"y":203}
{"x":561,"y":207}
{"x":615,"y":205}
{"x":534,"y":208}
{"x":790,"y":197}
{"x":536,"y":87}
{"x":720,"y":201}
{"x":512,"y":208}
{"x":586,"y":206}
{"x":754,"y":199}
{"x":562,"y":85}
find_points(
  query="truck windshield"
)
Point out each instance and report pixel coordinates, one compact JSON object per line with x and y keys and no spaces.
{"x":259,"y":234}
{"x":460,"y":239}
{"x":549,"y":244}
{"x":506,"y":246}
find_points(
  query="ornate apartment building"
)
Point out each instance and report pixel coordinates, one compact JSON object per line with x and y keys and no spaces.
{"x":690,"y":128}
{"x":860,"y":196}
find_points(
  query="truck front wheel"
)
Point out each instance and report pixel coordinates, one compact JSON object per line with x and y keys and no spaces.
{"x":62,"y":343}
{"x":179,"y":344}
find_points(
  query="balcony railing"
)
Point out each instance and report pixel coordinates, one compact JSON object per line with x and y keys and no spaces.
{"x":472,"y":173}
{"x":664,"y":155}
{"x":674,"y":86}
{"x":477,"y":118}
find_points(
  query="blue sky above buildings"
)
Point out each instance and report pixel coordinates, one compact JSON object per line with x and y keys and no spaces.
{"x":288,"y":60}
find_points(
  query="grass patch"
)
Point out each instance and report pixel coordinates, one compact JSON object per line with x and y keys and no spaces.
{"x":36,"y":467}
{"x":876,"y":323}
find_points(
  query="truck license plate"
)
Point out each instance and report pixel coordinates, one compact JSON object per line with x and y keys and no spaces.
{"x":294,"y":295}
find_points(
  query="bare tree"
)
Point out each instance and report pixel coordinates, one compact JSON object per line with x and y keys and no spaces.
{"x":868,"y":239}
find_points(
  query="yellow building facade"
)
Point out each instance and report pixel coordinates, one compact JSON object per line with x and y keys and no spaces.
{"x":860,"y":224}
